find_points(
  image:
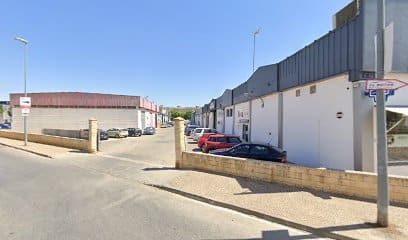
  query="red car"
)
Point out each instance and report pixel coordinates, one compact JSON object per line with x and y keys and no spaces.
{"x":219,"y":141}
{"x":203,"y":139}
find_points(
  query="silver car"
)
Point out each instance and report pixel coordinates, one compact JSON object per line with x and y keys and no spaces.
{"x":117,"y":132}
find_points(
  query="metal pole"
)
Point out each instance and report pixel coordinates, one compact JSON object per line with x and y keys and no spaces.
{"x":253,"y":55}
{"x":382,"y":154}
{"x":25,"y":92}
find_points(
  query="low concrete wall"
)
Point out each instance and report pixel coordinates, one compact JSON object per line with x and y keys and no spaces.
{"x":350,"y":183}
{"x":49,"y":140}
{"x":62,"y":133}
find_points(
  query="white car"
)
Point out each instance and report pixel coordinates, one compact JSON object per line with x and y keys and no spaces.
{"x":117,"y":132}
{"x":199,"y":132}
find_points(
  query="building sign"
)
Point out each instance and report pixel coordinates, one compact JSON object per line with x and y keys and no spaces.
{"x":386,"y":84}
{"x":243,"y":120}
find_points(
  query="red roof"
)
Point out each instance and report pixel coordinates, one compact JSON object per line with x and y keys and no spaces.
{"x":85,"y":100}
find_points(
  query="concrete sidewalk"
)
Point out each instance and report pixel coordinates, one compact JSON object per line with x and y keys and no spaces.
{"x":322,"y":212}
{"x":37,"y":148}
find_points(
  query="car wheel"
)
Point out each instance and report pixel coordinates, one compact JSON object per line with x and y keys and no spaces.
{"x":203,"y":149}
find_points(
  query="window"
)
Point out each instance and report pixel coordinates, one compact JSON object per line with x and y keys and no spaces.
{"x":222,"y":139}
{"x":207,"y":130}
{"x":259,"y":150}
{"x":234,"y":140}
{"x":313,"y":89}
{"x":241,"y":149}
{"x":229,"y":112}
{"x":298,"y":93}
{"x":198,"y":130}
{"x":211,"y":139}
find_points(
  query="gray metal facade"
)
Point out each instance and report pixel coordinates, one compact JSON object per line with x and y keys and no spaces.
{"x":238,"y":93}
{"x":347,"y":49}
{"x":224,"y":100}
{"x":263,"y":81}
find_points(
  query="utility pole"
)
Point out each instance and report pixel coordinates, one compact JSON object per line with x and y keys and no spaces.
{"x":382,"y":153}
{"x":253,"y":54}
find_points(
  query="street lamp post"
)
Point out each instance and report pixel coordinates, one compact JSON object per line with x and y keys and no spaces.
{"x":256,"y":33}
{"x":25,"y":42}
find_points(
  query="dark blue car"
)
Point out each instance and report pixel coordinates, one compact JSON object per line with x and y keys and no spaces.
{"x":254,"y":151}
{"x":5,"y":126}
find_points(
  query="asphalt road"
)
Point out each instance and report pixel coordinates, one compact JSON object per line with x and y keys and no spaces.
{"x":101,"y":197}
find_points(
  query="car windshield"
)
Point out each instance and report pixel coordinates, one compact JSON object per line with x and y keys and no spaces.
{"x":198,"y":130}
{"x":259,"y":150}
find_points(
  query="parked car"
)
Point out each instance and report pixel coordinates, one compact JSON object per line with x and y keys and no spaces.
{"x":220,"y":141}
{"x":164,"y":125}
{"x":170,"y":123}
{"x":203,"y":139}
{"x":5,"y":126}
{"x":103,"y":135}
{"x":199,"y":132}
{"x":149,"y":131}
{"x":134,"y":132}
{"x":254,"y":151}
{"x":187,"y":130}
{"x":84,"y":134}
{"x":117,"y":133}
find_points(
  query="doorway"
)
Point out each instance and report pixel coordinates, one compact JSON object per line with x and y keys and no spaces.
{"x":245,"y":132}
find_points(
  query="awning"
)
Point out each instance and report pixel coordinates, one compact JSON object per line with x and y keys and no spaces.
{"x":401,"y":110}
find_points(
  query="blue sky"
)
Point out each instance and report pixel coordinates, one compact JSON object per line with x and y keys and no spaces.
{"x":179,"y":52}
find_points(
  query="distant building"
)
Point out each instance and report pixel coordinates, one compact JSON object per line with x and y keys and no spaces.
{"x":71,"y":111}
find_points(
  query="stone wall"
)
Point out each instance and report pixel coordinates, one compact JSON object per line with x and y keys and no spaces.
{"x":73,"y":143}
{"x":350,"y":183}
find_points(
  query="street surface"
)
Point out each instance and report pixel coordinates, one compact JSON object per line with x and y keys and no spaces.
{"x":103,"y":197}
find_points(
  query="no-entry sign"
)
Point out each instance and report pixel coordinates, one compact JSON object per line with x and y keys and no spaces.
{"x":386,"y":84}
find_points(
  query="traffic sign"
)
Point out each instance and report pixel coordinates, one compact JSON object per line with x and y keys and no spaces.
{"x":386,"y":84}
{"x":25,"y":112}
{"x":25,"y":102}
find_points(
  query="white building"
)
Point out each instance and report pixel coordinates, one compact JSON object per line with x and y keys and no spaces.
{"x":313,"y":104}
{"x":71,"y":111}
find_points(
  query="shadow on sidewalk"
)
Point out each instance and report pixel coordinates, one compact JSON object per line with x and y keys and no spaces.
{"x":258,"y":187}
{"x":315,"y":233}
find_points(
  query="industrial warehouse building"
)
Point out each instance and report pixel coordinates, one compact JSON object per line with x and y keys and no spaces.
{"x":71,"y":111}
{"x":314,"y":105}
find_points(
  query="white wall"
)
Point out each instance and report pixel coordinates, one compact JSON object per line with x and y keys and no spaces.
{"x":74,"y":118}
{"x":241,"y":114}
{"x":264,"y":120}
{"x":220,"y":120}
{"x":211,"y":120}
{"x":229,"y":121}
{"x":312,"y":134}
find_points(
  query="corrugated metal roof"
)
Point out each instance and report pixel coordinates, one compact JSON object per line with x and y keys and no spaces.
{"x":81,"y":99}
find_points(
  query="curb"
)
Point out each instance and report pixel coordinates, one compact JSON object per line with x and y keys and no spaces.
{"x":27,"y":150}
{"x":260,"y":215}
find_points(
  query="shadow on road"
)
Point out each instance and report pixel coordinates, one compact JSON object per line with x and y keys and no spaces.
{"x":159,"y":169}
